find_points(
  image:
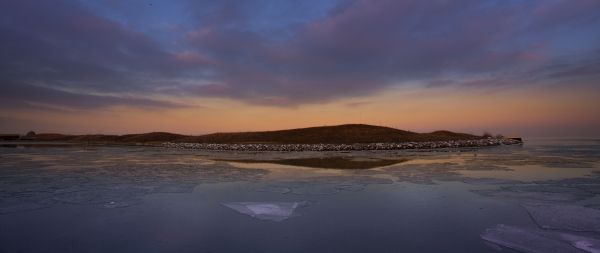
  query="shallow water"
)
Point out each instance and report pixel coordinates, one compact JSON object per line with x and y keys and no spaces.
{"x":142,"y":199}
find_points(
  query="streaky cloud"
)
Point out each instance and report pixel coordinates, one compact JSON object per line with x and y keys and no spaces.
{"x":318,"y":52}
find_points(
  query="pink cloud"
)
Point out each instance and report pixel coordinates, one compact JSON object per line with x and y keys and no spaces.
{"x":191,"y":58}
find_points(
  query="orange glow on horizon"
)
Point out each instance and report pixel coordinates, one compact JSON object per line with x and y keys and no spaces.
{"x":409,"y":109}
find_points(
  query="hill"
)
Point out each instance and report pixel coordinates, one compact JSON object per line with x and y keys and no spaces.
{"x":341,"y":134}
{"x":351,"y":133}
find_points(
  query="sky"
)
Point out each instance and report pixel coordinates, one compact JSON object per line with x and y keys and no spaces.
{"x":516,"y":67}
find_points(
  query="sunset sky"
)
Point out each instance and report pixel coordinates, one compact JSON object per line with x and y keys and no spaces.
{"x":521,"y":67}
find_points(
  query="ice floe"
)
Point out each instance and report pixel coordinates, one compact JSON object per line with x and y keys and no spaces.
{"x":562,"y":228}
{"x":324,"y":185}
{"x":585,"y":243}
{"x":270,"y":211}
{"x":565,"y":217}
{"x":531,"y":240}
{"x":536,"y":192}
{"x":108,"y":178}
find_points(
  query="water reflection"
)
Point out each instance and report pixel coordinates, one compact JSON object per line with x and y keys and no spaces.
{"x":336,"y":162}
{"x":395,"y":196}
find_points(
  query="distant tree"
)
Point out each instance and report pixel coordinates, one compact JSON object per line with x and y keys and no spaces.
{"x":487,"y":135}
{"x":30,"y":134}
{"x":499,"y":136}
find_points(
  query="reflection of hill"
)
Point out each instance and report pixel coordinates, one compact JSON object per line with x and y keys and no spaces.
{"x":328,"y":162}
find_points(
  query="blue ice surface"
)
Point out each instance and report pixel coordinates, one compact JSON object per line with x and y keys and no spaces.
{"x":131,"y":199}
{"x":270,"y":211}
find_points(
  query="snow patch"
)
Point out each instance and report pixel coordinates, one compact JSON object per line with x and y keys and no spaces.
{"x":271,"y":211}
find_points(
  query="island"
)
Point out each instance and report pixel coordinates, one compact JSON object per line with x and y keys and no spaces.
{"x":346,"y":137}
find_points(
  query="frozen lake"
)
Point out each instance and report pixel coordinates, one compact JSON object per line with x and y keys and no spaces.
{"x":539,"y":197}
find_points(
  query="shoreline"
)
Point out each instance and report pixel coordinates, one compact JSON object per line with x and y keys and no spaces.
{"x":345,"y":147}
{"x":425,"y":145}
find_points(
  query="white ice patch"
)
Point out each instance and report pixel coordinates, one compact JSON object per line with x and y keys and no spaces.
{"x":534,"y":240}
{"x":588,"y":244}
{"x":525,"y":240}
{"x":271,"y":211}
{"x":565,"y":217}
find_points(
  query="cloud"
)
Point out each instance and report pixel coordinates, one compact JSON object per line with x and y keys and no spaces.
{"x":365,"y":46}
{"x":52,"y":46}
{"x":66,"y":53}
{"x":29,"y":96}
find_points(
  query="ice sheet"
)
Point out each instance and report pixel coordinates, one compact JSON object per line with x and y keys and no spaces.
{"x":271,"y":211}
{"x":105,"y":178}
{"x":527,"y":240}
{"x":325,"y":185}
{"x":565,"y":217}
{"x":585,"y":243}
{"x":537,"y":193}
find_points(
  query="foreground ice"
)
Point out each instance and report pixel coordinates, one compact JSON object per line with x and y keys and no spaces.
{"x":537,"y":193}
{"x":565,"y":217}
{"x":109,"y":177}
{"x":271,"y":211}
{"x":585,"y":243}
{"x":530,"y":240}
{"x":325,"y":185}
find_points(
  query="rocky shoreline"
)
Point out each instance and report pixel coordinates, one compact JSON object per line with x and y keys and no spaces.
{"x":345,"y":147}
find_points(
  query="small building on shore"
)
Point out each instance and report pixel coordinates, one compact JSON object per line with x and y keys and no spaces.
{"x":516,"y":138}
{"x":30,"y":136}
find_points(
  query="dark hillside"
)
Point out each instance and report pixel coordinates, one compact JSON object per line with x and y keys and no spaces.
{"x":348,"y":134}
{"x":341,"y":134}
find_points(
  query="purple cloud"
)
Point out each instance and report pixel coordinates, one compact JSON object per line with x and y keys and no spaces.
{"x":287,"y":53}
{"x":368,"y":45}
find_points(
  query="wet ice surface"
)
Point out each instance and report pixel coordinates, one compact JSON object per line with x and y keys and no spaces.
{"x":565,"y":217}
{"x":271,"y":211}
{"x":104,"y":177}
{"x":136,"y":199}
{"x":532,"y":240}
